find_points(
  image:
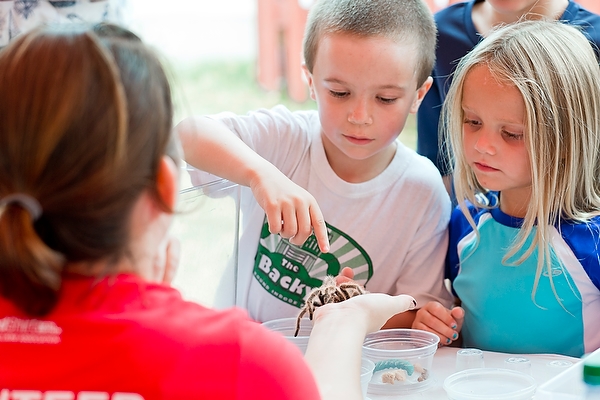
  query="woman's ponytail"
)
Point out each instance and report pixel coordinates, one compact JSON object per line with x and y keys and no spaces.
{"x":30,"y":272}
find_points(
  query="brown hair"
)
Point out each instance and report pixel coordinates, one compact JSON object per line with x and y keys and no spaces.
{"x":85,"y":122}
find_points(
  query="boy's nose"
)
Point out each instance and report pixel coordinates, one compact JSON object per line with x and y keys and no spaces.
{"x":359,"y":114}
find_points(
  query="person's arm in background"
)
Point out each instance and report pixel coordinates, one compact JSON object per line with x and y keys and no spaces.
{"x":275,"y":368}
{"x":429,"y":143}
{"x":291,"y":211}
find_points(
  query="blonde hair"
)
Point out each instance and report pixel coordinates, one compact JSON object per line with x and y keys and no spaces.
{"x":555,"y":69}
{"x":85,"y":122}
{"x":398,"y":20}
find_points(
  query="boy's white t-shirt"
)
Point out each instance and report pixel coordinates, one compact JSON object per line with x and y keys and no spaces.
{"x":391,"y":230}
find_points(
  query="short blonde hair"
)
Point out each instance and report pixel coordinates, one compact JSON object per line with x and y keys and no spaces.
{"x":555,"y":69}
{"x":398,"y":20}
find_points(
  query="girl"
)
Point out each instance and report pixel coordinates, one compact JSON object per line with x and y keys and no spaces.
{"x":523,"y":120}
{"x":460,"y":27}
{"x":88,"y":182}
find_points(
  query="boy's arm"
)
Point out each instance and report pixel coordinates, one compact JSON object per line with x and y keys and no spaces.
{"x":291,"y":211}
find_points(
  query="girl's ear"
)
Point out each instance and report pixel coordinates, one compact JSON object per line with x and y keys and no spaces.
{"x":167,"y":181}
{"x":309,"y":80}
{"x":421,"y":92}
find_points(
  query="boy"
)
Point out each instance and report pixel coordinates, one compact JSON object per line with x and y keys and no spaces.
{"x":384,"y":208}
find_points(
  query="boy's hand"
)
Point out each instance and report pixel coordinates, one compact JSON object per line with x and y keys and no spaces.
{"x":291,"y":211}
{"x":436,"y":318}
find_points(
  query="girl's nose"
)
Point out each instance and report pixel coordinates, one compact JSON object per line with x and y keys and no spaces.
{"x":485,"y":142}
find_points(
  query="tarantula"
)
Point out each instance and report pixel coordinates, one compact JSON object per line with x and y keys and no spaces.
{"x":328,"y":292}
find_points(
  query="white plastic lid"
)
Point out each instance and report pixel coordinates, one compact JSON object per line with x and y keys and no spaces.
{"x":489,"y":383}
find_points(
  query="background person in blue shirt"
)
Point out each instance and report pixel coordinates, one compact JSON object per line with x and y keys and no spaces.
{"x":523,"y":119}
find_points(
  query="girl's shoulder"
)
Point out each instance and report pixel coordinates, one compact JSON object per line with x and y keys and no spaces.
{"x":583,"y":239}
{"x":581,"y":230}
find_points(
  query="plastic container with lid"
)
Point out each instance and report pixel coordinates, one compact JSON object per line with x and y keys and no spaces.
{"x":403,"y":360}
{"x":490,"y":384}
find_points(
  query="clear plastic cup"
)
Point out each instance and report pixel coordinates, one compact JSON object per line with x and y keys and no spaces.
{"x":520,"y":364}
{"x":469,"y":359}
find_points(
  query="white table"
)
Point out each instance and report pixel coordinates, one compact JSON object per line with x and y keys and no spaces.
{"x":543,"y":368}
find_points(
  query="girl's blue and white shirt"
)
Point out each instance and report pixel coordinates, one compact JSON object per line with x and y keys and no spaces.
{"x":501,"y":312}
{"x":18,"y":16}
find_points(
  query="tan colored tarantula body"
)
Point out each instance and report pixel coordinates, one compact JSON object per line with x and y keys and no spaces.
{"x":328,"y":292}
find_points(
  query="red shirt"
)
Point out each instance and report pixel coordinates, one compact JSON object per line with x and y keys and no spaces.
{"x":127,"y":339}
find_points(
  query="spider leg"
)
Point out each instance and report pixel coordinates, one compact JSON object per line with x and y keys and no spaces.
{"x":343,"y":293}
{"x":310,"y":313}
{"x":302,"y":312}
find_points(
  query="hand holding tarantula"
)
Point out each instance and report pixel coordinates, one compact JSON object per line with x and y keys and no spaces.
{"x":328,"y":292}
{"x":342,"y":316}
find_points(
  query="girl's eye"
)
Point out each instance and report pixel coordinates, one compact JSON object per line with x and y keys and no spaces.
{"x":338,"y":94}
{"x":512,"y":136}
{"x":386,"y":100}
{"x":471,"y":122}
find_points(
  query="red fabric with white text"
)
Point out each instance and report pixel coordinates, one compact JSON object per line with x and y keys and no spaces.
{"x":126,"y":339}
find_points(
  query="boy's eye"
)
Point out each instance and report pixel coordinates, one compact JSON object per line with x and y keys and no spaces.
{"x":338,"y":94}
{"x":386,"y":100}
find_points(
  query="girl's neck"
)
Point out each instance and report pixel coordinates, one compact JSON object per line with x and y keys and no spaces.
{"x":485,"y":17}
{"x":515,"y":204}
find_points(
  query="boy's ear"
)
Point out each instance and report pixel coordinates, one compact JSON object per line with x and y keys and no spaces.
{"x":309,"y":80}
{"x":421,"y":92}
{"x":167,"y":181}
